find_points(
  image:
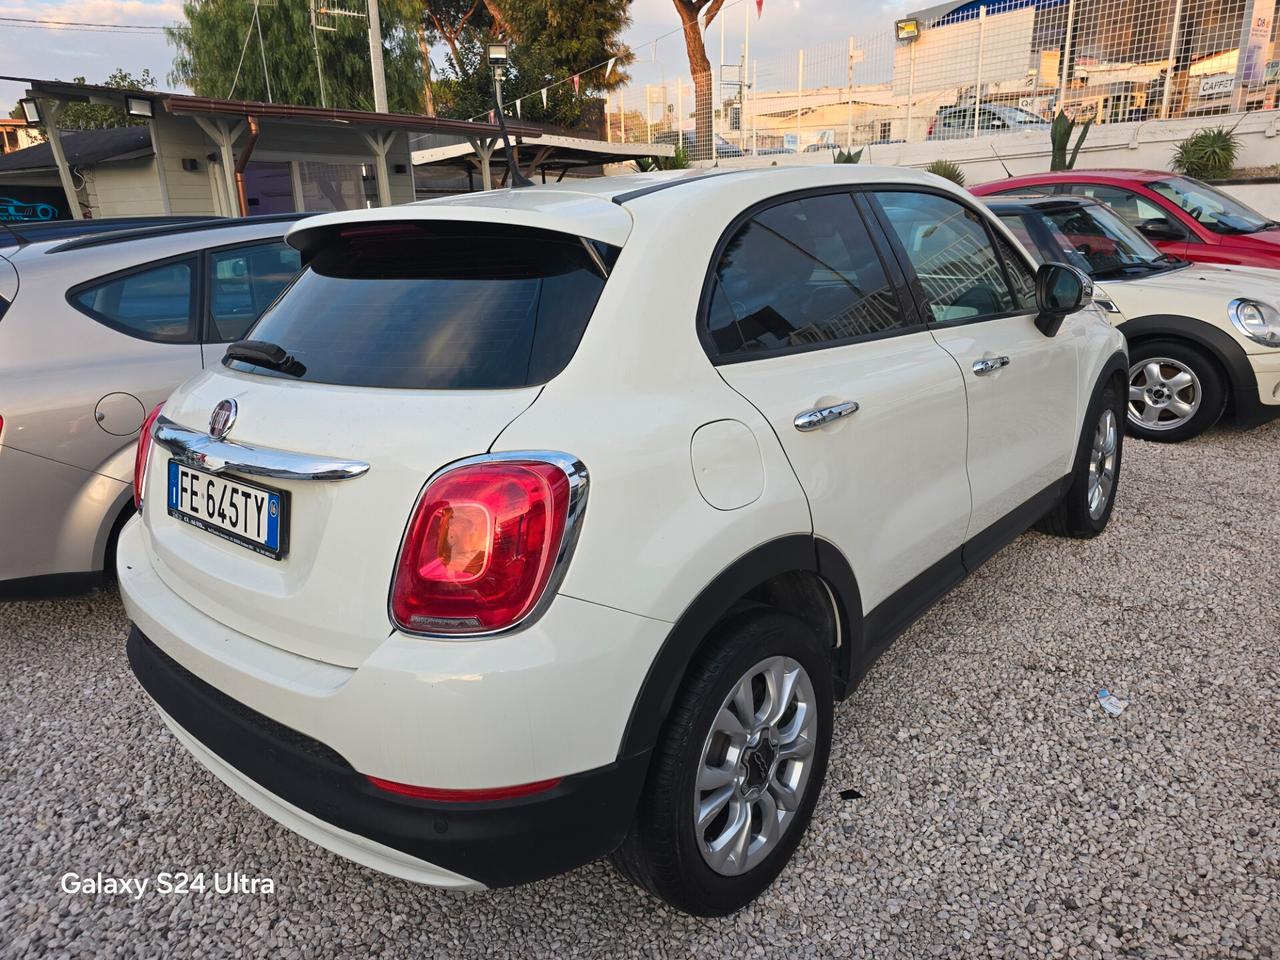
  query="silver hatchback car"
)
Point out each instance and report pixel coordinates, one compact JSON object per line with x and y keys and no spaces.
{"x":95,"y":331}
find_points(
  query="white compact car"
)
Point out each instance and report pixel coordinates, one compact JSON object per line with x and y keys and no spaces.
{"x":1203,"y":339}
{"x":538,"y":525}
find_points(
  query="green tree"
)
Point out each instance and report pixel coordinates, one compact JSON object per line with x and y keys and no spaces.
{"x":549,"y":43}
{"x":218,"y":54}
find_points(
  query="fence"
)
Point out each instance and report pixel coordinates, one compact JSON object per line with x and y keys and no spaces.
{"x":972,"y":69}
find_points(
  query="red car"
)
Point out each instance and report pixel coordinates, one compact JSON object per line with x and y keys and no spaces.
{"x":1181,"y":216}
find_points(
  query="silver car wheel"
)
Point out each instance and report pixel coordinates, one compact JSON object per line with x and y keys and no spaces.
{"x":1163,"y":394}
{"x":755,"y":765}
{"x":1102,"y":463}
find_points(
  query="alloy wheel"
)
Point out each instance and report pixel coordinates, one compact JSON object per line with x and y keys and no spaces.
{"x":1163,"y":393}
{"x":1102,"y":463}
{"x":755,"y":765}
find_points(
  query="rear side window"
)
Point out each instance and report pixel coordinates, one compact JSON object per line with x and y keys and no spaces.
{"x":436,"y":306}
{"x":801,"y":273}
{"x":242,"y":283}
{"x":154,"y":303}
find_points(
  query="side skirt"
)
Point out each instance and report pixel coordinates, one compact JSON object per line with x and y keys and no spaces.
{"x":893,"y":615}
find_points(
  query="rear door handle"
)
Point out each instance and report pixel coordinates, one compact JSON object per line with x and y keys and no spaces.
{"x":983,"y":367}
{"x":821,"y":416}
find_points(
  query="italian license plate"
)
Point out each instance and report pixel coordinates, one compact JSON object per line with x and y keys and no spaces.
{"x":244,"y":513}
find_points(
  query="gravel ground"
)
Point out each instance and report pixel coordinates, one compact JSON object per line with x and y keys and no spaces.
{"x":1002,"y":813}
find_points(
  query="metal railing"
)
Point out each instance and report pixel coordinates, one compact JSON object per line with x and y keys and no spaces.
{"x":975,"y":69}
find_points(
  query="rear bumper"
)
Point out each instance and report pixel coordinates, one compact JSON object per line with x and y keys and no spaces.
{"x":309,"y":788}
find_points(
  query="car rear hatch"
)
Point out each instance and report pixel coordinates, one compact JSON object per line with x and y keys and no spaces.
{"x":410,"y":344}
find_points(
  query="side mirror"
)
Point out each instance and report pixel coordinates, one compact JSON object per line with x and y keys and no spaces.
{"x":1161,"y":228}
{"x":1060,"y":290}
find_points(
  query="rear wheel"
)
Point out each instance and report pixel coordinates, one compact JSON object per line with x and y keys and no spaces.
{"x":1175,"y":391}
{"x":737,"y":771}
{"x":1085,"y":509}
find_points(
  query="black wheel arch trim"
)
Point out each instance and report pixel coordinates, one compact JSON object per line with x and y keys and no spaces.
{"x":786,"y":554}
{"x":1242,"y":383}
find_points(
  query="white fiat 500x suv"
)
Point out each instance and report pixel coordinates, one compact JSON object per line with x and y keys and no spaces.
{"x":538,"y":525}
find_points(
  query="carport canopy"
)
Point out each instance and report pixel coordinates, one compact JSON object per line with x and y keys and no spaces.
{"x":225,"y":121}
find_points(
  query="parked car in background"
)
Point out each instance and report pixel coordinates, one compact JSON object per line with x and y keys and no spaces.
{"x":1202,"y":338}
{"x":20,"y":234}
{"x":399,"y":581}
{"x":1181,"y":216}
{"x":94,"y":332}
{"x":957,"y":123}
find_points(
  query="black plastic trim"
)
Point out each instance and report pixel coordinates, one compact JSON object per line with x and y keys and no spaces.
{"x":986,"y":544}
{"x":1242,"y":382}
{"x":658,"y":691}
{"x":51,"y":586}
{"x":582,"y":818}
{"x":622,"y":198}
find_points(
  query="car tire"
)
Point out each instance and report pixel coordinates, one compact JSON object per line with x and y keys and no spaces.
{"x":1085,"y":509}
{"x":753,"y":765}
{"x":1166,"y":373}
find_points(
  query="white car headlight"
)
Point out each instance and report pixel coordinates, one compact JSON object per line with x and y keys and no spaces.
{"x":1260,"y":322}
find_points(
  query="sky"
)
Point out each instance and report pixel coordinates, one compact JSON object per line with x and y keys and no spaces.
{"x":26,"y":51}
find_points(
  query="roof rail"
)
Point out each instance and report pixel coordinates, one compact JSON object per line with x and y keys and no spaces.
{"x":171,"y":229}
{"x":622,"y":198}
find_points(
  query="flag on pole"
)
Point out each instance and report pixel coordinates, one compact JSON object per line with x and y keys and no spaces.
{"x":759,"y":8}
{"x":577,"y":83}
{"x":609,"y":69}
{"x":492,"y":117}
{"x":518,"y":113}
{"x":544,"y":98}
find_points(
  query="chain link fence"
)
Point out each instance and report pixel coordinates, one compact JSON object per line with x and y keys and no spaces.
{"x":955,"y":71}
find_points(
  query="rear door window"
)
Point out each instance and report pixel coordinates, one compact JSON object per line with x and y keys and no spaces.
{"x":435,"y":305}
{"x":801,"y":273}
{"x":243,"y":281}
{"x":153,"y":303}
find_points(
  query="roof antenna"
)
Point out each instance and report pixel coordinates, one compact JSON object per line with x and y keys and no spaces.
{"x":498,"y":63}
{"x":1001,"y":159}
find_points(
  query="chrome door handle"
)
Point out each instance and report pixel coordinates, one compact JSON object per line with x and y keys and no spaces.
{"x":821,"y":416}
{"x":983,"y":367}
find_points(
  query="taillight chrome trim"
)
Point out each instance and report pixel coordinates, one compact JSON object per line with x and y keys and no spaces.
{"x":575,"y":472}
{"x":198,"y":449}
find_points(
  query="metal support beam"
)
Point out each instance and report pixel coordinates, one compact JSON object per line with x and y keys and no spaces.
{"x":224,"y":138}
{"x":49,"y":110}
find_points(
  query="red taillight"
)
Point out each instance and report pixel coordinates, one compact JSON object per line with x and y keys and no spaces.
{"x":142,"y":453}
{"x":481,"y":795}
{"x":482,"y":545}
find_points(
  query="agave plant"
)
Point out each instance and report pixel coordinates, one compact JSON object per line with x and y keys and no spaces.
{"x":678,"y":162}
{"x":1060,"y":139}
{"x":948,"y":170}
{"x":1208,"y":154}
{"x":840,"y":156}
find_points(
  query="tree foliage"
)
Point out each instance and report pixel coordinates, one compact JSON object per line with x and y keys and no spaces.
{"x":549,"y":43}
{"x":218,"y":54}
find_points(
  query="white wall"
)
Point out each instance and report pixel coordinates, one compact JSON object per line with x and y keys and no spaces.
{"x":1149,"y":144}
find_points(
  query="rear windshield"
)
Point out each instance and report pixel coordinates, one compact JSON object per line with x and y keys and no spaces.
{"x":436,"y":306}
